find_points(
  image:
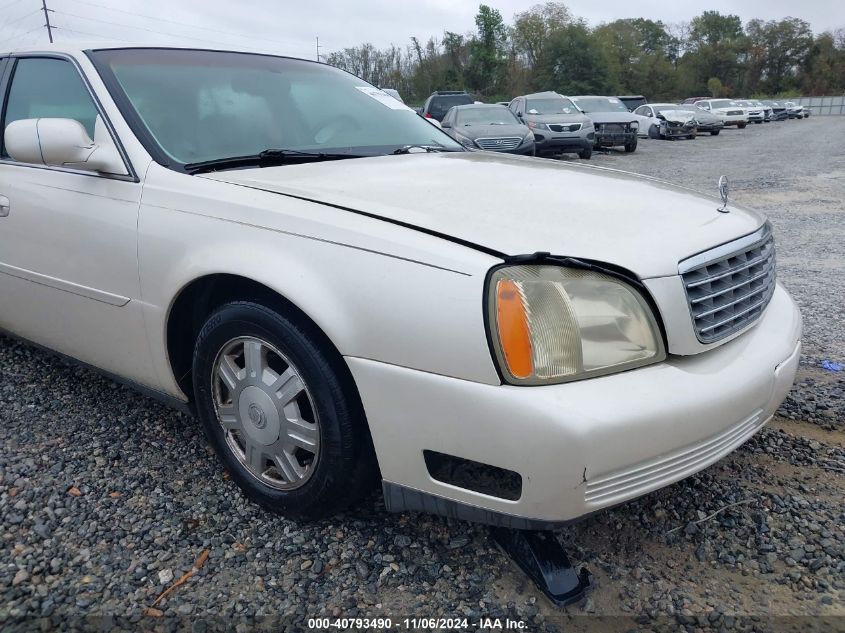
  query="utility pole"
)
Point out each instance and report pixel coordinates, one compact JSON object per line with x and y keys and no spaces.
{"x":318,"y":48}
{"x":47,"y":17}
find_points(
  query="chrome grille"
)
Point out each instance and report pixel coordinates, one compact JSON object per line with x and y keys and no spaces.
{"x":729,"y":287}
{"x":556,"y":127}
{"x":734,"y":112}
{"x":501,"y":143}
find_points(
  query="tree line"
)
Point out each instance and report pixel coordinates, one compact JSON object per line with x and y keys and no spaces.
{"x":548,"y":48}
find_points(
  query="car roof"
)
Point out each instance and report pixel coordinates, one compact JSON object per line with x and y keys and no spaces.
{"x":470,"y":106}
{"x":78,"y":48}
{"x":548,"y":94}
{"x":630,"y":97}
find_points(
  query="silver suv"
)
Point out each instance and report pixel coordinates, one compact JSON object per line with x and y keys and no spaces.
{"x":559,"y":127}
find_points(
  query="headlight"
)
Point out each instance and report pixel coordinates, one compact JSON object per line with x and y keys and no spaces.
{"x":635,"y":125}
{"x":537,"y":126}
{"x":463,"y":140}
{"x":529,"y":136}
{"x":552,"y":324}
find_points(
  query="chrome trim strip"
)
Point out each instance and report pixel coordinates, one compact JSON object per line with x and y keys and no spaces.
{"x":732,"y":271}
{"x":729,"y":248}
{"x":761,"y":302}
{"x":64,"y":286}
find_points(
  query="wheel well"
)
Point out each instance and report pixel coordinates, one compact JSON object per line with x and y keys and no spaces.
{"x":204,"y":295}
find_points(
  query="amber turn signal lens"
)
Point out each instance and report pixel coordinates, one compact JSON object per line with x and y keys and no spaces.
{"x":514,"y":334}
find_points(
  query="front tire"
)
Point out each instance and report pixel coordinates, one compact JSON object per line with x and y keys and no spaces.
{"x":741,"y":126}
{"x":281,"y":411}
{"x":653,"y":132}
{"x":714,"y":132}
{"x":631,"y":146}
{"x":586,"y":153}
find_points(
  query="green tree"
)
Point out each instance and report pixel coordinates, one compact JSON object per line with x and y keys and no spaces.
{"x":487,"y":51}
{"x":714,"y":87}
{"x":637,"y":56}
{"x":825,"y":69}
{"x":532,"y":28}
{"x":573,"y":62}
{"x":716,"y":47}
{"x":778,"y":51}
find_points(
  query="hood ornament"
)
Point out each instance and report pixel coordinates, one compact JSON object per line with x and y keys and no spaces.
{"x":723,"y":192}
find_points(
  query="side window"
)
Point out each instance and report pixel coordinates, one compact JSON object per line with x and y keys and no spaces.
{"x":44,"y":87}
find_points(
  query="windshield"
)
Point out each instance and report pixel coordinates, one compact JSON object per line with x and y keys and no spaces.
{"x":600,"y":104}
{"x":498,"y":115}
{"x":440,"y":105}
{"x":195,"y":106}
{"x":550,"y":105}
{"x":722,"y":103}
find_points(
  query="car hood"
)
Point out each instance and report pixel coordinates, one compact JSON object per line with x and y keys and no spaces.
{"x":575,"y":117}
{"x":611,"y":117}
{"x":681,"y":116}
{"x":515,"y":205}
{"x":492,"y":131}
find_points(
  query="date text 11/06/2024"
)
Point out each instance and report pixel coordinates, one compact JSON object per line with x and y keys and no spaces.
{"x":411,"y":624}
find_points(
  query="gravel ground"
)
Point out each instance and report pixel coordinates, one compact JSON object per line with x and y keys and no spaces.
{"x":107,"y":498}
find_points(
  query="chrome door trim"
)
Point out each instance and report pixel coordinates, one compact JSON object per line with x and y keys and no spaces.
{"x":65,"y":286}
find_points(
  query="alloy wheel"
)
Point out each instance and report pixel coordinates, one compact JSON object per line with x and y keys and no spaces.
{"x":267,"y":413}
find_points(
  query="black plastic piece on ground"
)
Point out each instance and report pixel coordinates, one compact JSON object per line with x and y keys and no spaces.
{"x":543,"y":559}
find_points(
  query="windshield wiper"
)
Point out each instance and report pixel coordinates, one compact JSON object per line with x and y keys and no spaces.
{"x":406,"y":149}
{"x":266,"y":158}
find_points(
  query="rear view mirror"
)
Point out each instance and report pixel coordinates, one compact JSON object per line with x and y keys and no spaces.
{"x":63,"y":143}
{"x":445,"y":124}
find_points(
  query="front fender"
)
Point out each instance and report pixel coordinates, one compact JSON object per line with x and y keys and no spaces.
{"x":378,"y":291}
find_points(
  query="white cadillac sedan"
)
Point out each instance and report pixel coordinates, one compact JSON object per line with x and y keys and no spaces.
{"x":341,"y":293}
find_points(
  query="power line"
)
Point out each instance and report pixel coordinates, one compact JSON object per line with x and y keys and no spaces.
{"x":102,"y":37}
{"x":12,"y":3}
{"x":141,"y":28}
{"x":177,"y":23}
{"x":25,"y":15}
{"x":24,"y":34}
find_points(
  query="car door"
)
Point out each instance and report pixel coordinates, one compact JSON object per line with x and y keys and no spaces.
{"x":68,"y":238}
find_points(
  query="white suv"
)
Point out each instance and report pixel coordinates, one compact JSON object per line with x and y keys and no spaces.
{"x":265,"y":242}
{"x":729,"y":111}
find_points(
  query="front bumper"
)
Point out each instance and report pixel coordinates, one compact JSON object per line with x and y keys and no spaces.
{"x":548,"y":142}
{"x":733,"y":119}
{"x":709,"y":127}
{"x":582,"y":446}
{"x":613,"y":137}
{"x":672,"y":131}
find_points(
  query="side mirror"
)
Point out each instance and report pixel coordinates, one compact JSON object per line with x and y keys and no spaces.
{"x":63,"y":143}
{"x":435,"y":122}
{"x":445,"y":124}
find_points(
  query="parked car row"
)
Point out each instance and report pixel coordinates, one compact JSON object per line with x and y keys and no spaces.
{"x":559,"y":124}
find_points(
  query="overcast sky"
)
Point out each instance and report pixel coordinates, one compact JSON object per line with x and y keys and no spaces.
{"x":290,"y":27}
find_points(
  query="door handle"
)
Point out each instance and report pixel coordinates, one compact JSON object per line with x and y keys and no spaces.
{"x":5,"y":208}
